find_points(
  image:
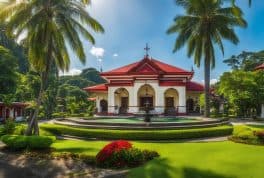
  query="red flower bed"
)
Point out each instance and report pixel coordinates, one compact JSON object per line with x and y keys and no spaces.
{"x":111,"y":148}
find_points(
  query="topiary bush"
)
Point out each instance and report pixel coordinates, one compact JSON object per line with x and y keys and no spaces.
{"x":119,"y":154}
{"x":39,"y":142}
{"x":139,"y":134}
{"x":20,"y":142}
{"x":15,"y":142}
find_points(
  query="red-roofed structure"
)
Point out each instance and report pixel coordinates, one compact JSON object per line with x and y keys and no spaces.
{"x":166,"y":88}
{"x":15,"y":111}
{"x":260,"y":67}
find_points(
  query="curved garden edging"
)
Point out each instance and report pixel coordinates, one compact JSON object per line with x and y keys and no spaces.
{"x":218,"y":131}
{"x":140,"y":126}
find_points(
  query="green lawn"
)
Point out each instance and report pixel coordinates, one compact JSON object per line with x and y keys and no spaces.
{"x":187,"y":160}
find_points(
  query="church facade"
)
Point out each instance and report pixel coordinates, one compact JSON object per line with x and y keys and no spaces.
{"x":129,"y":89}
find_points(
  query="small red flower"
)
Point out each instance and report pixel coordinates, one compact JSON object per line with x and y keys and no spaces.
{"x":112,"y":147}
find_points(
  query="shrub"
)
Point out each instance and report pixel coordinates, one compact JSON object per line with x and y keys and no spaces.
{"x":120,"y":154}
{"x":248,"y":135}
{"x":259,"y":134}
{"x":15,"y":142}
{"x":19,"y":142}
{"x":9,"y":126}
{"x":149,"y":155}
{"x":138,"y":134}
{"x":109,"y":149}
{"x":20,"y":130}
{"x":59,"y":115}
{"x":37,"y":142}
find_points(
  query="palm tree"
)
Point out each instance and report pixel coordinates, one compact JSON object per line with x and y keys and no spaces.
{"x":50,"y":28}
{"x":205,"y":24}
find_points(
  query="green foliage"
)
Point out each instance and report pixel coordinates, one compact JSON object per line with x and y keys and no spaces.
{"x":15,"y":142}
{"x":246,"y":61}
{"x":205,"y":24}
{"x":138,"y":134}
{"x":20,"y":129}
{"x":8,"y":75}
{"x":243,"y":90}
{"x":40,"y":142}
{"x":124,"y":158}
{"x":16,"y":49}
{"x":92,"y":75}
{"x":9,"y":126}
{"x":247,"y":134}
{"x":20,"y":142}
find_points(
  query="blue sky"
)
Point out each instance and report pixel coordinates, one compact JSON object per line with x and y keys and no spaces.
{"x":129,"y":24}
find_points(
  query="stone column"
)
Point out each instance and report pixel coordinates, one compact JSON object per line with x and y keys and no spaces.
{"x":132,"y":100}
{"x":98,"y":104}
{"x":182,"y":99}
{"x":111,"y":100}
{"x":159,"y":100}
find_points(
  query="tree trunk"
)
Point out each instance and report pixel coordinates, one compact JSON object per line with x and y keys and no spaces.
{"x":33,"y":124}
{"x":207,"y":86}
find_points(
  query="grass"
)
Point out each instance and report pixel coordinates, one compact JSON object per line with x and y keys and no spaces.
{"x":186,"y":160}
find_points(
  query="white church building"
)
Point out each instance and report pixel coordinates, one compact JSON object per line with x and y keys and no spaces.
{"x":165,"y":88}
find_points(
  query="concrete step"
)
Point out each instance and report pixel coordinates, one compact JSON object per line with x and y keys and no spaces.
{"x":140,"y":127}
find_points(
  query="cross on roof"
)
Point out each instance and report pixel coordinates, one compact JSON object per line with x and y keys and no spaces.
{"x":147,"y":50}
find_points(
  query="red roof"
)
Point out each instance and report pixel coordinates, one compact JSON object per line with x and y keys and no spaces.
{"x":260,"y":67}
{"x":194,"y":86}
{"x":100,"y":87}
{"x":147,"y":66}
{"x":15,"y":104}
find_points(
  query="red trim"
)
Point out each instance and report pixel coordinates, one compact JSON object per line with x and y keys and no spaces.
{"x":194,"y":86}
{"x":15,"y":104}
{"x":171,"y":83}
{"x":96,"y":88}
{"x":158,"y":67}
{"x":260,"y":67}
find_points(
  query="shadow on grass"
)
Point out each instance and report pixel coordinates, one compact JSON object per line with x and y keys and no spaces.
{"x":161,"y":168}
{"x":189,"y":172}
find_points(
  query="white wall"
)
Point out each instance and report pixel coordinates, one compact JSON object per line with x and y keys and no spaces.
{"x":133,"y":97}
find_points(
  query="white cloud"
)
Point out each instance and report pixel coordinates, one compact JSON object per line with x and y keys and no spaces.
{"x":212,"y":81}
{"x":97,"y":52}
{"x":71,"y":72}
{"x":115,"y":55}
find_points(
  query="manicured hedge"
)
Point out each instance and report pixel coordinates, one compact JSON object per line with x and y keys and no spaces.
{"x":19,"y":142}
{"x":138,"y":134}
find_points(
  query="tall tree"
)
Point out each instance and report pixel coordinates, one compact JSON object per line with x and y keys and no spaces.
{"x":8,"y":75}
{"x":247,"y":61}
{"x":48,"y":25}
{"x":205,"y":24}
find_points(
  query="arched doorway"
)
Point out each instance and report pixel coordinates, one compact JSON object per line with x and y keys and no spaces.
{"x":104,"y":106}
{"x":190,"y":105}
{"x":171,"y":99}
{"x":146,"y":96}
{"x":122,"y":100}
